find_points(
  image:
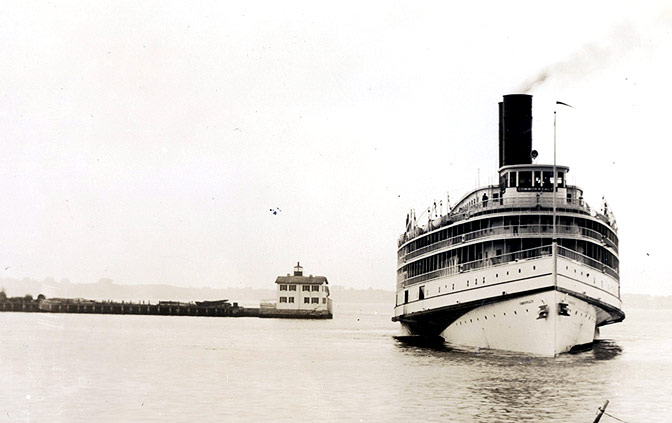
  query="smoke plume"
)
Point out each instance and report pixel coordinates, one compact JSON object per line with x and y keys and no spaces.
{"x":590,"y":58}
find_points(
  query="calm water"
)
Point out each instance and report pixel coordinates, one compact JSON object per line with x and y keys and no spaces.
{"x":152,"y":368}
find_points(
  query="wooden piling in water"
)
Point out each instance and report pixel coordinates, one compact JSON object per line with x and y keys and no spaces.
{"x":600,"y":411}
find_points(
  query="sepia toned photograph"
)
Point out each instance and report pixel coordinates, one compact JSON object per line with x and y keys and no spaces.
{"x":335,"y":212}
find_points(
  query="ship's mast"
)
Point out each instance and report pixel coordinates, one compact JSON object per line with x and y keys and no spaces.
{"x":555,"y":188}
{"x":554,"y":246}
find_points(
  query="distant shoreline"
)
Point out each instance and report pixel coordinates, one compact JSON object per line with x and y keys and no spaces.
{"x":106,"y":289}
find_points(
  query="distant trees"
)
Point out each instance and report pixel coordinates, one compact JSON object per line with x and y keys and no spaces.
{"x":25,"y":298}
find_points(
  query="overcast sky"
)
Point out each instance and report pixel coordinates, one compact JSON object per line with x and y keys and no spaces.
{"x":147,"y":142}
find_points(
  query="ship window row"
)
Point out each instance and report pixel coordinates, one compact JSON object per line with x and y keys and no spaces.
{"x":313,"y":288}
{"x":502,"y":251}
{"x":423,"y":291}
{"x":516,"y":223}
{"x":515,"y":312}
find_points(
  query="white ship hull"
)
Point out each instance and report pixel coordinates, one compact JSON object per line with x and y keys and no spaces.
{"x":515,"y":325}
{"x":515,"y":307}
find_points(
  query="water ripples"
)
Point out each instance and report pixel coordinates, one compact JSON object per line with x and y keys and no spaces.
{"x":351,"y":368}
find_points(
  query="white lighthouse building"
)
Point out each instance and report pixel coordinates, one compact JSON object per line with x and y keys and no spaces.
{"x":299,"y":296}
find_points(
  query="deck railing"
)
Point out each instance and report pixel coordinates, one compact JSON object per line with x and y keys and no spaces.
{"x":527,"y":231}
{"x":490,"y":206}
{"x":529,"y":254}
{"x":532,"y":253}
{"x":590,"y":262}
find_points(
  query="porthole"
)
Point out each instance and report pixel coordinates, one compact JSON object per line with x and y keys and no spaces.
{"x":483,"y":279}
{"x":515,"y":312}
{"x":471,"y":321}
{"x":527,"y":311}
{"x":587,"y":274}
{"x":534,"y":267}
{"x":486,"y":317}
{"x":505,"y":314}
{"x":519,"y":270}
{"x":507,"y":273}
{"x":566,"y":267}
{"x":574,"y":270}
{"x":478,"y":319}
{"x":496,"y":275}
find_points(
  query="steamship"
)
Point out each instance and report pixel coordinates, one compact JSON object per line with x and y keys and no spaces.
{"x":525,"y":265}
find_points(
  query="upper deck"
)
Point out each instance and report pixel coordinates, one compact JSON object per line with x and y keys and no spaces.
{"x":522,"y":189}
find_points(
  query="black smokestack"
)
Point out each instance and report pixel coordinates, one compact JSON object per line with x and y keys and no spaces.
{"x":501,"y":134}
{"x":515,"y":123}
